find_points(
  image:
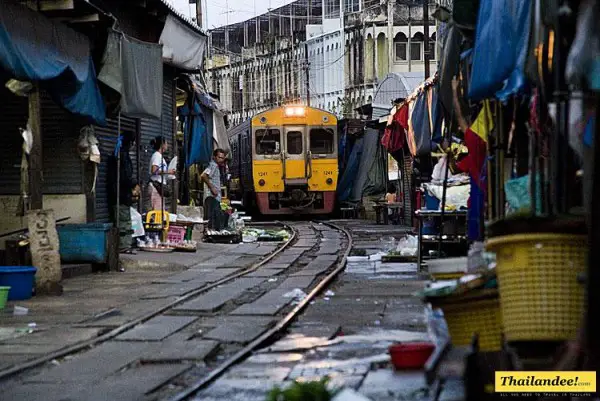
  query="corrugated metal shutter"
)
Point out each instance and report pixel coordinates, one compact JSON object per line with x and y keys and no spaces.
{"x":107,"y":136}
{"x":150,"y":129}
{"x":13,"y":115}
{"x":63,"y":168}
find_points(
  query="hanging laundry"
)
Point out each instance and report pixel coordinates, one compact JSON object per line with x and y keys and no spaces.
{"x":134,"y":69}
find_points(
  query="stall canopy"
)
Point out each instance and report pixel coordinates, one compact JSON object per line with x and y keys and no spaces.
{"x":33,"y":48}
{"x":134,"y":69}
{"x":394,"y":86}
{"x":182,"y":46}
{"x":501,"y":41}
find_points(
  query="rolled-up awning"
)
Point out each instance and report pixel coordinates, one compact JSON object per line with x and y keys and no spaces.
{"x":34,"y":48}
{"x":182,"y":46}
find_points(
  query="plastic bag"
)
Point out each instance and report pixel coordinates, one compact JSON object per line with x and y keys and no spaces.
{"x":518,"y":194}
{"x":137,"y":224}
{"x":437,"y":328}
{"x":408,"y":246}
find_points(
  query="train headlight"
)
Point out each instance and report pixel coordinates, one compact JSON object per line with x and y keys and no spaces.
{"x":295,"y":111}
{"x":329,"y":181}
{"x":261,"y":183}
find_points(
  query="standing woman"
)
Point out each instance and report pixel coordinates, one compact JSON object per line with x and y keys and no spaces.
{"x":158,"y":172}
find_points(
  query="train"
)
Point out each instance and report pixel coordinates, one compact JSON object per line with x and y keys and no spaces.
{"x":284,"y":161}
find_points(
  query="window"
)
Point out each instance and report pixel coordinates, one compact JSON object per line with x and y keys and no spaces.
{"x":400,"y":46}
{"x":267,"y":142}
{"x":294,"y":143}
{"x":432,"y":46}
{"x":400,"y":52}
{"x":351,"y":6}
{"x":322,"y":141}
{"x":332,"y":9}
{"x":415,"y":51}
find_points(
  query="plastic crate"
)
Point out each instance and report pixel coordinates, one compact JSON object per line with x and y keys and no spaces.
{"x":176,"y":234}
{"x":83,"y":242}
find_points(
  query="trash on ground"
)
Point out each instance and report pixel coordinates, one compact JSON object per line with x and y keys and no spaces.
{"x":408,"y":246}
{"x":350,"y":395}
{"x":296,"y":294}
{"x":20,"y":311}
{"x":329,"y":293}
{"x":272,"y":280}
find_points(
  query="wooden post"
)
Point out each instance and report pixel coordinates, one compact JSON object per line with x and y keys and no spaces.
{"x":36,"y":177}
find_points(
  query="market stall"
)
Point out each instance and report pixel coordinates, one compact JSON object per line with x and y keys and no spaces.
{"x":517,"y":91}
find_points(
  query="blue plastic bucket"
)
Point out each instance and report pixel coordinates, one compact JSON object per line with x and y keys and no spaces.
{"x":20,"y":279}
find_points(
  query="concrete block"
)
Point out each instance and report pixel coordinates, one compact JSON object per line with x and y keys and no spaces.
{"x":157,"y":328}
{"x":217,"y":297}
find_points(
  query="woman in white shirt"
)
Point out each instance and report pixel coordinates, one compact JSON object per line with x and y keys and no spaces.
{"x":158,"y":172}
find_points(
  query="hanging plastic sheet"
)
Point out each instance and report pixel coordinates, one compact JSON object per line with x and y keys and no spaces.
{"x":369,"y":168}
{"x":449,"y":67}
{"x":583,"y":63}
{"x":34,"y":48}
{"x":464,"y":13}
{"x":198,"y":141}
{"x":435,"y":116}
{"x":501,"y":46}
{"x":419,"y":138}
{"x":346,"y":182}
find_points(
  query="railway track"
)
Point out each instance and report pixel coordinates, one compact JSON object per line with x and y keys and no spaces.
{"x":311,"y":259}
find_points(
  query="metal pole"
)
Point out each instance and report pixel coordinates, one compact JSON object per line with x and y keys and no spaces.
{"x":408,"y":53}
{"x":307,"y":68}
{"x":426,"y":39}
{"x":199,"y":17}
{"x":118,"y":206}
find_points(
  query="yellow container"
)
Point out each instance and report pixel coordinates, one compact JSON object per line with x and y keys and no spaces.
{"x":474,"y":316}
{"x":540,"y":297}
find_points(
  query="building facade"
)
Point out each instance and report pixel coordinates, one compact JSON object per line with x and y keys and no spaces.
{"x":332,"y":52}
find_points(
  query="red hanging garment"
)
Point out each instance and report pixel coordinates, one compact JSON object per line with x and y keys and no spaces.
{"x":394,"y":136}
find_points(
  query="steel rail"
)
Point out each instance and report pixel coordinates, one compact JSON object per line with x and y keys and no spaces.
{"x":269,"y":334}
{"x":4,"y":374}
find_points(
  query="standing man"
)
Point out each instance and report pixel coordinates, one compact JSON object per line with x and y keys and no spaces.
{"x":211,"y":177}
{"x":129,"y":192}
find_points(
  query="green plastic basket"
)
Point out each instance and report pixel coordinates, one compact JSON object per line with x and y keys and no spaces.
{"x":3,"y":296}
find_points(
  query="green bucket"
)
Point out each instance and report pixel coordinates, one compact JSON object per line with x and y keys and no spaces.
{"x":3,"y":296}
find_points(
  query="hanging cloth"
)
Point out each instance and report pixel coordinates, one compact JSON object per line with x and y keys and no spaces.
{"x":134,"y":69}
{"x":198,"y":141}
{"x":24,"y":205}
{"x":500,"y":50}
{"x":394,"y":135}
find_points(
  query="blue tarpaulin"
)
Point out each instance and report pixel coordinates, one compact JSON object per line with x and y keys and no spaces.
{"x":33,"y":48}
{"x":346,"y":182}
{"x":500,"y":50}
{"x":198,"y":140}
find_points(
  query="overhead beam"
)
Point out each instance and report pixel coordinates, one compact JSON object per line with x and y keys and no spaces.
{"x":80,"y":20}
{"x":51,"y":5}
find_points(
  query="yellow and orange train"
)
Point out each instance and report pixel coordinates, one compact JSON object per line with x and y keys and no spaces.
{"x":284,"y":161}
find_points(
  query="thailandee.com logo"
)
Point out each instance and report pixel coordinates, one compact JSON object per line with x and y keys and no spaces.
{"x":545,"y":382}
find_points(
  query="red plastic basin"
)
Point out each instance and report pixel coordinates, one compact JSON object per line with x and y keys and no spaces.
{"x":411,"y":355}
